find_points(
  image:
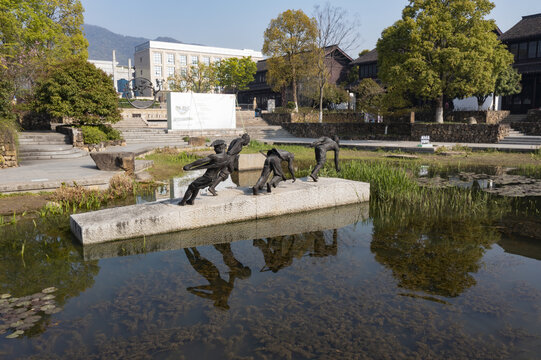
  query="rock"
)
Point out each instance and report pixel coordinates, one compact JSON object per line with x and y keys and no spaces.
{"x":472,"y":120}
{"x":112,"y":161}
{"x":197,"y":141}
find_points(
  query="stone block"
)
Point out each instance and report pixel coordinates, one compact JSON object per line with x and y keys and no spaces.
{"x":305,"y":222}
{"x":114,"y":161}
{"x":197,"y":141}
{"x":251,"y":162}
{"x":230,"y":206}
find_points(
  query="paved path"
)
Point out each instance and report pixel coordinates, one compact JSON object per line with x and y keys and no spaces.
{"x":46,"y":175}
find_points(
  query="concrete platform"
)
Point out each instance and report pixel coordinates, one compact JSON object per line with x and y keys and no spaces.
{"x":305,"y":222}
{"x":232,"y":205}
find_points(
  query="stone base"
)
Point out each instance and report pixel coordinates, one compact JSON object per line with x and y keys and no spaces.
{"x":305,"y":222}
{"x":233,"y":205}
{"x":114,"y":161}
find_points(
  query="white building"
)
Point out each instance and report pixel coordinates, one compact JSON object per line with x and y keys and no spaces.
{"x":119,"y":74}
{"x":158,"y":60}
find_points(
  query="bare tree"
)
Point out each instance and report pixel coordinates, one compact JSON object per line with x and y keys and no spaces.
{"x":335,"y":28}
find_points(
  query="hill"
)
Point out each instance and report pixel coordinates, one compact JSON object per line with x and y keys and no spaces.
{"x":102,"y":42}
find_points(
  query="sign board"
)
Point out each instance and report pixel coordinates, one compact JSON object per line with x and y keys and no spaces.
{"x":271,"y":105}
{"x":194,"y":111}
{"x":425,"y":141}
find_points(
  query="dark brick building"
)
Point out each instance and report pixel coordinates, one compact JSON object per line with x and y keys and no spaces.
{"x":524,"y":41}
{"x":336,"y":61}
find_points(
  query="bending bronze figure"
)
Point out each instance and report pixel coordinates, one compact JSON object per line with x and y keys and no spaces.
{"x":273,"y":162}
{"x":322,"y":145}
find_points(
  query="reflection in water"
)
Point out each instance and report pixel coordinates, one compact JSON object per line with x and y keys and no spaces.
{"x":436,"y":257}
{"x":218,"y":289}
{"x":279,"y":252}
{"x":35,"y":256}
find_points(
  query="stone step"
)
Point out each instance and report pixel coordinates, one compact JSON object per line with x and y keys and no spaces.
{"x":30,"y":143}
{"x":45,"y":148}
{"x":54,"y":156}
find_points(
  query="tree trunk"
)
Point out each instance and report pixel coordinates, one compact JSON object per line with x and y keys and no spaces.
{"x":320,"y":104}
{"x":294,"y":85}
{"x":439,"y":110}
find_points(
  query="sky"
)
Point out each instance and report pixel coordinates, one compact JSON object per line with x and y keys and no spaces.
{"x":240,"y":24}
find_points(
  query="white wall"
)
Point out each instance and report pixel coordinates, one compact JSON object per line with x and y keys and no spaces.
{"x":194,"y":111}
{"x":470,"y":104}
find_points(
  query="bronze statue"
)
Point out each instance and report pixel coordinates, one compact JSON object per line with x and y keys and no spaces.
{"x":214,"y":164}
{"x":235,"y":147}
{"x":273,"y":162}
{"x":322,"y":145}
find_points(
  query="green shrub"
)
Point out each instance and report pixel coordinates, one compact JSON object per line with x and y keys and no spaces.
{"x":93,"y":135}
{"x":112,"y":133}
{"x":291,"y":105}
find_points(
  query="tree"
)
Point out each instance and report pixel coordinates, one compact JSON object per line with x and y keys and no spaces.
{"x":235,"y":74}
{"x":442,"y":49}
{"x":199,"y":78}
{"x":78,"y":90}
{"x":334,"y":29}
{"x":290,"y":43}
{"x":369,"y":96}
{"x":35,"y":34}
{"x":507,"y":83}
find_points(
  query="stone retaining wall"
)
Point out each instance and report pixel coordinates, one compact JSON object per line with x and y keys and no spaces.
{"x":8,"y":150}
{"x":145,"y":114}
{"x":482,"y":117}
{"x":534,"y":115}
{"x":528,"y":128}
{"x":479,"y":133}
{"x":279,"y":119}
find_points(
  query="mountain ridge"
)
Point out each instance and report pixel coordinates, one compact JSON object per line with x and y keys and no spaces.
{"x":102,"y":42}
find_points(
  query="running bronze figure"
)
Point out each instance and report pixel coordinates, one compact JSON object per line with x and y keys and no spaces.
{"x":322,"y":145}
{"x":214,"y":164}
{"x":235,"y":147}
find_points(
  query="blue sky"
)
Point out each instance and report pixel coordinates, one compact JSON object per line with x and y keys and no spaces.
{"x":240,"y":24}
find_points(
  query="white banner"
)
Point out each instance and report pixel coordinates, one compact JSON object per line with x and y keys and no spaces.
{"x":194,"y":111}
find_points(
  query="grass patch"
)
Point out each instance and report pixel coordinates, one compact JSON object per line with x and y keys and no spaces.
{"x":168,"y":163}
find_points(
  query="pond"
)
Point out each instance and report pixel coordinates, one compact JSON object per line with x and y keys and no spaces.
{"x":365,"y":281}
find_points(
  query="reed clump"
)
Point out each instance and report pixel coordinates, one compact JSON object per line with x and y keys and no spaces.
{"x":396,"y":185}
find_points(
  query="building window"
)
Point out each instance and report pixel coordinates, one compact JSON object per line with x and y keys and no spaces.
{"x":157,"y":58}
{"x":195,"y":60}
{"x":217,"y":60}
{"x":539,"y":49}
{"x":183,"y":72}
{"x":157,"y":71}
{"x":140,"y":59}
{"x":513,"y":49}
{"x":170,"y":70}
{"x":171,"y":59}
{"x":532,"y":49}
{"x":206,"y":60}
{"x":182,"y":59}
{"x":523,"y":51}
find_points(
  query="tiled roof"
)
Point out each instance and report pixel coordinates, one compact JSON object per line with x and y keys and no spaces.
{"x":371,"y":56}
{"x":528,"y":27}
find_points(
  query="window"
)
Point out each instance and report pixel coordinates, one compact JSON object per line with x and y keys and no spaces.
{"x":171,"y":59}
{"x":206,"y":60}
{"x":532,"y":49}
{"x":157,"y":71}
{"x":513,"y":48}
{"x":523,"y":51}
{"x":182,"y":59}
{"x":217,"y":60}
{"x":140,"y":59}
{"x":195,"y":60}
{"x":183,"y":72}
{"x":170,"y":70}
{"x":539,"y":49}
{"x":157,"y":58}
